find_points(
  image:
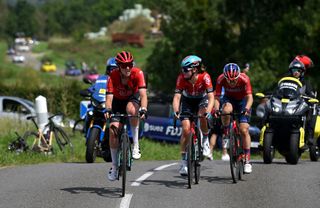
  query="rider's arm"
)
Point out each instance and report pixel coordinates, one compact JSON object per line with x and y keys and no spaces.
{"x":218,"y":93}
{"x":109,"y":94}
{"x":249,"y":99}
{"x":144,"y":98}
{"x":176,"y":102}
{"x":210,"y":102}
{"x":109,"y":99}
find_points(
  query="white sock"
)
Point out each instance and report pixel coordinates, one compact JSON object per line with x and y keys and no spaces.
{"x":135,"y":134}
{"x":114,"y":157}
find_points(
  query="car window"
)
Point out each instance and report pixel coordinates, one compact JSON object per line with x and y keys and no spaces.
{"x":14,"y":107}
{"x":159,"y":109}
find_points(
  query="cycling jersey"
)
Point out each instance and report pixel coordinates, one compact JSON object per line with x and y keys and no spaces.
{"x":199,"y":89}
{"x":237,"y":92}
{"x":124,"y":92}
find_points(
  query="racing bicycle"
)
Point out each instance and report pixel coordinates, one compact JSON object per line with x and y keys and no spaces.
{"x":43,"y":139}
{"x":235,"y":149}
{"x":124,"y":152}
{"x":194,"y":149}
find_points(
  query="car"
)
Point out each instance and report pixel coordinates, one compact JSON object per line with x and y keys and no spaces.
{"x":11,"y":51}
{"x":159,"y":124}
{"x":48,"y":66}
{"x":72,"y":72}
{"x":16,"y":108}
{"x":90,"y":76}
{"x":72,"y":69}
{"x":18,"y":58}
{"x":22,"y":48}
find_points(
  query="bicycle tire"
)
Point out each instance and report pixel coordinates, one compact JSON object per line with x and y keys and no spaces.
{"x":79,"y":126}
{"x":124,"y":152}
{"x":233,"y":158}
{"x":198,"y":157}
{"x":239,"y":161}
{"x":62,"y":139}
{"x":190,"y":160}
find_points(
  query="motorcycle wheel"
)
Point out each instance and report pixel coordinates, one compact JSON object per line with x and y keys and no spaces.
{"x":292,"y":157}
{"x":268,"y":149}
{"x":314,"y":153}
{"x":92,"y":143}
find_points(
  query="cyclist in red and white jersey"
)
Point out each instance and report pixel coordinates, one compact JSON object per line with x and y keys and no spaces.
{"x":126,"y":94}
{"x":195,"y":93}
{"x":237,"y":98}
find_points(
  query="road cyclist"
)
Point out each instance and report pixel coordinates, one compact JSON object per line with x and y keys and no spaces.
{"x":126,"y":94}
{"x":237,"y":98}
{"x":193,"y":95}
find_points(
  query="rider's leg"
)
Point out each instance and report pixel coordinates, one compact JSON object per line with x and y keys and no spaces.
{"x":183,"y":145}
{"x":133,"y":109}
{"x":114,"y":144}
{"x":226,"y":108}
{"x":205,"y":133}
{"x":244,"y":131}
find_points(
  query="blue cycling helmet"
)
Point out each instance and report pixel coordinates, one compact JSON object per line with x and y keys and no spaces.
{"x":191,"y":61}
{"x":231,"y":71}
{"x":111,"y":65}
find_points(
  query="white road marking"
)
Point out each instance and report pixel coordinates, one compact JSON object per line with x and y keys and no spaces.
{"x":125,"y":201}
{"x":149,"y":173}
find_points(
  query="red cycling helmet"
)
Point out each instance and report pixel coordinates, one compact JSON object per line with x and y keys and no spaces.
{"x":307,"y":62}
{"x":124,"y":57}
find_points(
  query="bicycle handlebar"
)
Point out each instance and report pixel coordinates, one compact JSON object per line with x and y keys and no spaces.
{"x":185,"y":116}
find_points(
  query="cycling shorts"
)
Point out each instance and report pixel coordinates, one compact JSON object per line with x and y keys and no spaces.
{"x":120,"y":106}
{"x":238,"y":107}
{"x":192,"y":105}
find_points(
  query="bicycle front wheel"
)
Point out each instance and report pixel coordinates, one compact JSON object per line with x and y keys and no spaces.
{"x":198,"y":157}
{"x":233,"y":158}
{"x":63,"y":140}
{"x":190,"y":160}
{"x":124,"y":161}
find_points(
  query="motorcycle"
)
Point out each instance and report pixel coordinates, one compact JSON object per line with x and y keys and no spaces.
{"x":96,"y":131}
{"x":284,"y":121}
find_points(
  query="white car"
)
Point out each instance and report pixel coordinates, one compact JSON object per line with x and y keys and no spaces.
{"x":19,"y":109}
{"x":16,"y":108}
{"x":18,"y":58}
{"x":22,"y":48}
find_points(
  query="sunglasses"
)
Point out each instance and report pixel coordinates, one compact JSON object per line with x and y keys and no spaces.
{"x":185,"y":69}
{"x":125,"y":65}
{"x":293,"y":70}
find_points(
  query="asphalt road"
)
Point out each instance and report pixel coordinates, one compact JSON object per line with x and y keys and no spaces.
{"x":157,"y":184}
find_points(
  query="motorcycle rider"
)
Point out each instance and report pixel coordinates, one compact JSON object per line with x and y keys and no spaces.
{"x":111,"y":64}
{"x":297,"y":69}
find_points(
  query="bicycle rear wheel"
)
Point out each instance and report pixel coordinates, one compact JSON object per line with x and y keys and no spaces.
{"x":63,"y":140}
{"x":123,"y":161}
{"x":190,"y":160}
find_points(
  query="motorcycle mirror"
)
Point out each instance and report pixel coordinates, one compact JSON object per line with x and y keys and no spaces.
{"x":313,"y":100}
{"x":260,"y":95}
